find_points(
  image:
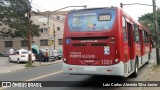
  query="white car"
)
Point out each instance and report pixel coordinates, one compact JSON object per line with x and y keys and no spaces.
{"x":20,"y":56}
{"x":54,"y":53}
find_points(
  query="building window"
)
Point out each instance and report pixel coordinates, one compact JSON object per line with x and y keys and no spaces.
{"x":24,"y":43}
{"x":58,"y":28}
{"x":58,"y":17}
{"x":44,"y":42}
{"x":44,"y":30}
{"x":8,"y":43}
{"x":60,"y":41}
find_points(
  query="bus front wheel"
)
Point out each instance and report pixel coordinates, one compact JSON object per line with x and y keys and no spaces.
{"x":135,"y":73}
{"x":149,"y":57}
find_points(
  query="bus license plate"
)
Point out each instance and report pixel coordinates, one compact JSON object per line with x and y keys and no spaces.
{"x":90,"y":69}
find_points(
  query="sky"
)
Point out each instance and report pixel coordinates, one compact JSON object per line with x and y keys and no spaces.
{"x":134,"y":11}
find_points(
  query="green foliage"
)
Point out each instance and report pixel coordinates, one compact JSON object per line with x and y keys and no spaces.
{"x":148,"y":21}
{"x":29,"y":65}
{"x":12,"y":14}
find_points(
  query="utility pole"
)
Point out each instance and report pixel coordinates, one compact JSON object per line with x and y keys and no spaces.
{"x":156,"y":31}
{"x":54,"y":37}
{"x":29,"y":32}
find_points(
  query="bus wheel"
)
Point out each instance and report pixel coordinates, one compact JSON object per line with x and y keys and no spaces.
{"x":135,"y":73}
{"x":149,"y":57}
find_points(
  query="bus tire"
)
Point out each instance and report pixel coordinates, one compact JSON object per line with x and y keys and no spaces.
{"x":135,"y":73}
{"x":149,"y":57}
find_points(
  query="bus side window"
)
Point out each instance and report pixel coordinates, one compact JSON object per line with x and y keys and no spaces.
{"x":136,"y":33}
{"x":146,"y":37}
{"x":124,"y":29}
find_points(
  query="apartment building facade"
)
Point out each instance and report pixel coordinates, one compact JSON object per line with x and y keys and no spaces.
{"x":51,"y":31}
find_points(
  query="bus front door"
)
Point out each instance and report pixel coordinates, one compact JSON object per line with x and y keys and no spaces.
{"x":130,"y":46}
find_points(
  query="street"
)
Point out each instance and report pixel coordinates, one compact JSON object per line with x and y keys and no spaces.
{"x":6,"y":66}
{"x":54,"y":73}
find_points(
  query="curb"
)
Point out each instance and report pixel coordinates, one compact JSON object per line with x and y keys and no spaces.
{"x":49,"y":64}
{"x":27,"y":68}
{"x":39,"y":65}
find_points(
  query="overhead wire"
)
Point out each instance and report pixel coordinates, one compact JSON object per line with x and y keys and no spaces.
{"x":39,"y":13}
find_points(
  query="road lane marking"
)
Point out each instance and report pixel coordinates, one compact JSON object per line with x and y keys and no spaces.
{"x":44,"y":76}
{"x":1,"y":88}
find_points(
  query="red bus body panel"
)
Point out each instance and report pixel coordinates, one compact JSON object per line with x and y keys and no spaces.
{"x":88,"y":48}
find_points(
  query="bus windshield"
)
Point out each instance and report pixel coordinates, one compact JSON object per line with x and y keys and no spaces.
{"x":91,"y":20}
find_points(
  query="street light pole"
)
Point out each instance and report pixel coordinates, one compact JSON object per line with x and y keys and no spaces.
{"x":121,"y":5}
{"x":156,"y":31}
{"x":49,"y":37}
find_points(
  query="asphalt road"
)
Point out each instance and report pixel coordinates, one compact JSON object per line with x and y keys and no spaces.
{"x":54,"y":73}
{"x":4,"y":63}
{"x":37,"y":73}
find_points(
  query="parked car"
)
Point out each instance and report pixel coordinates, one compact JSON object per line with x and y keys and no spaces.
{"x":59,"y":55}
{"x":4,"y":54}
{"x":55,"y":53}
{"x":52,"y":56}
{"x":20,"y":56}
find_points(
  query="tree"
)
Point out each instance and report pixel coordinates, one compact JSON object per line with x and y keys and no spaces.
{"x":147,"y":21}
{"x":12,"y":14}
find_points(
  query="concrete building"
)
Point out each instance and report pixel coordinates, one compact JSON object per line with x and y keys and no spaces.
{"x":55,"y":25}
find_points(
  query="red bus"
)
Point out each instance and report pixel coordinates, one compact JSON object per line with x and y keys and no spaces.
{"x":104,"y":41}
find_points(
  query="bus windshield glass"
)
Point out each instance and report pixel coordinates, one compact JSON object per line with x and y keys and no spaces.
{"x":91,"y":20}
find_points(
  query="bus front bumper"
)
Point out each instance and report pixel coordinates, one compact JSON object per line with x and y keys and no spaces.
{"x":115,"y":70}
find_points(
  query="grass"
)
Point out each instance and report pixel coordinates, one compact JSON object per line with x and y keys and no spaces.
{"x":152,"y":70}
{"x":155,"y":67}
{"x":29,"y":65}
{"x":147,"y":79}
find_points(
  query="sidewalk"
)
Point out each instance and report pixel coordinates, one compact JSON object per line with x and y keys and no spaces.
{"x":6,"y":69}
{"x":153,"y":75}
{"x":37,"y":63}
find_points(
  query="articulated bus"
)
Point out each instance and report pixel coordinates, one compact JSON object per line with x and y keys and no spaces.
{"x":104,"y":41}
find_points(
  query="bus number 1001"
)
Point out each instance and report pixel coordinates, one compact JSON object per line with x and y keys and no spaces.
{"x":106,"y":62}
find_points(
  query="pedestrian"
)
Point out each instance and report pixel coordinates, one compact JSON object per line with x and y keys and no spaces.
{"x":46,"y":55}
{"x":11,"y":51}
{"x":40,"y":54}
